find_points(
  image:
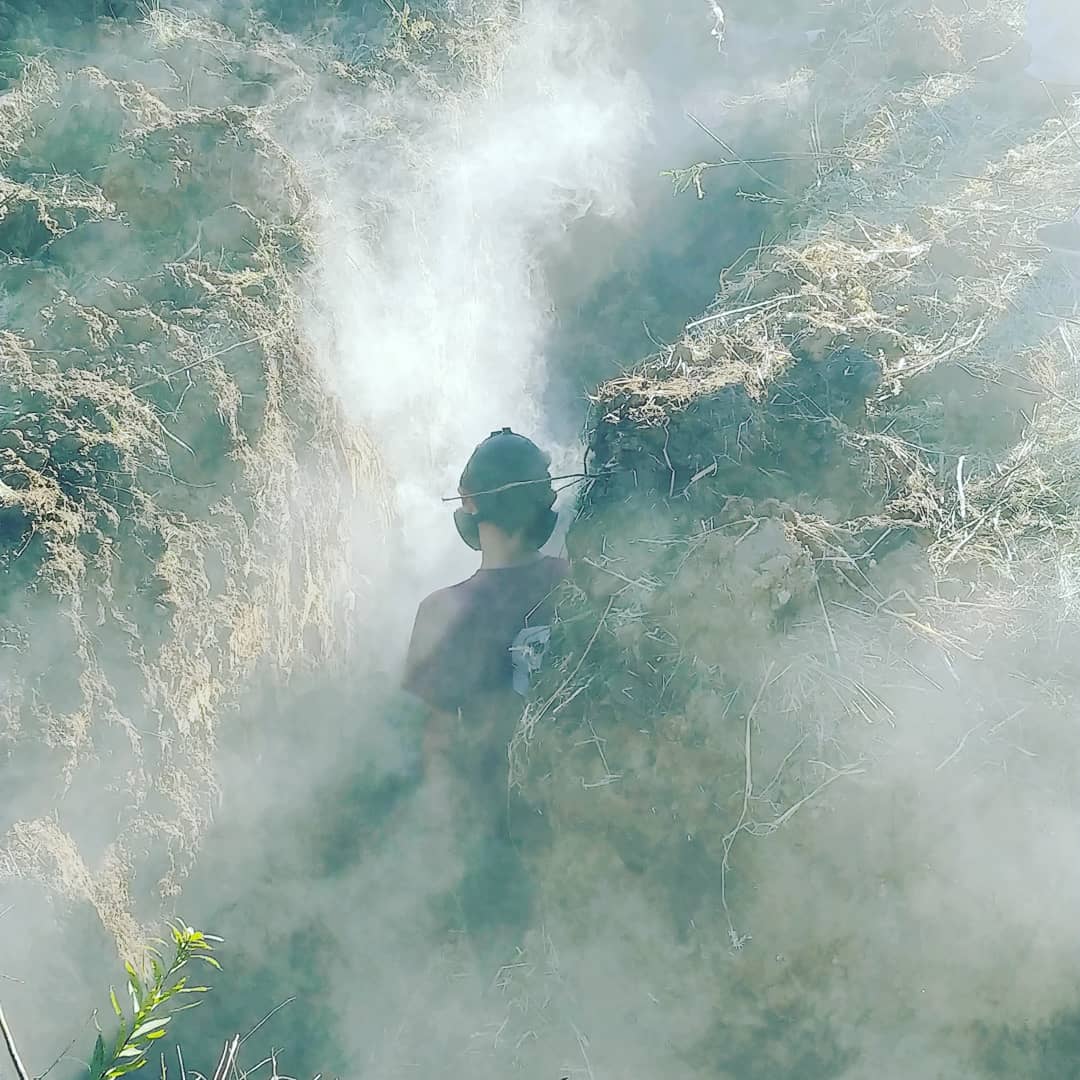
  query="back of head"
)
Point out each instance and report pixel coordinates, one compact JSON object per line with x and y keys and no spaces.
{"x":508,"y":478}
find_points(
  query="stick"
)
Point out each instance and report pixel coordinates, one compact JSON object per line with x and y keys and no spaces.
{"x":748,"y":794}
{"x":731,"y":313}
{"x":228,"y":1056}
{"x":960,"y":488}
{"x":737,"y":157}
{"x":527,"y":483}
{"x":828,"y":624}
{"x":272,"y":1012}
{"x":1064,"y":123}
{"x":194,"y":364}
{"x":12,"y":1050}
{"x":66,"y":1050}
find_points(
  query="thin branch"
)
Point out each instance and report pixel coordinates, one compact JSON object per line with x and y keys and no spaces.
{"x":737,"y":157}
{"x":748,"y":794}
{"x":828,"y":624}
{"x":276,"y":1009}
{"x":228,"y":1057}
{"x":13,"y":1052}
{"x":525,"y":483}
{"x":67,"y":1049}
{"x":194,"y":364}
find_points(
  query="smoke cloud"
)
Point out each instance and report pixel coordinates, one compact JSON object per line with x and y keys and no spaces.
{"x":491,"y":235}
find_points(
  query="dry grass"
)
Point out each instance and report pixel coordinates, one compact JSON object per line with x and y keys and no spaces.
{"x":173,"y":474}
{"x":731,"y":671}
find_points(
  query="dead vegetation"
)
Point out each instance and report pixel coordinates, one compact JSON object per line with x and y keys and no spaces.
{"x":834,"y":532}
{"x":172,"y":471}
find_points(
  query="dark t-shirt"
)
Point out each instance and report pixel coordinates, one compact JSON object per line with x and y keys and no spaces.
{"x":480,"y":637}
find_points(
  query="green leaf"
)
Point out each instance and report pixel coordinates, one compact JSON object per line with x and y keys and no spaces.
{"x":135,"y":1035}
{"x":123,"y":1070}
{"x":97,"y":1063}
{"x":150,"y":1025}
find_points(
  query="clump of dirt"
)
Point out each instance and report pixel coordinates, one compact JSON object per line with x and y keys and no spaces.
{"x":174,"y":477}
{"x":832,"y":531}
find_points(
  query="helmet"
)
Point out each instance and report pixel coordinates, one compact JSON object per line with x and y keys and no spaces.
{"x":508,"y":477}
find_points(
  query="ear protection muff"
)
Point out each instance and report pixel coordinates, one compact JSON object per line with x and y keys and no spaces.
{"x":541,"y":532}
{"x":468,"y":527}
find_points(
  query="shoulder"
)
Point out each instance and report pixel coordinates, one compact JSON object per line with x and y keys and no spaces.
{"x":438,"y":618}
{"x":447,"y":603}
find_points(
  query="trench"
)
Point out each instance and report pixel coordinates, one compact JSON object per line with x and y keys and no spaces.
{"x":326,"y":870}
{"x":620,"y":290}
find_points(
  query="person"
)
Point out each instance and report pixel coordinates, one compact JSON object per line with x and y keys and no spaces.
{"x":1053,"y":38}
{"x":476,"y":645}
{"x":473,"y":654}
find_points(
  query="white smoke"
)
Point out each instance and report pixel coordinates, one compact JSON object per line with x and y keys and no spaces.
{"x":432,"y":311}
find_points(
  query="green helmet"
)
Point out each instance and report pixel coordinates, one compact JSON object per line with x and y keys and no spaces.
{"x":508,"y":477}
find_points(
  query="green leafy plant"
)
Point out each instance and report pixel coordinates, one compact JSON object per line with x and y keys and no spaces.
{"x":149,"y":999}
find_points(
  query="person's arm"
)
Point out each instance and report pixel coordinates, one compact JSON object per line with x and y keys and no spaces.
{"x":424,"y":674}
{"x":423,"y":644}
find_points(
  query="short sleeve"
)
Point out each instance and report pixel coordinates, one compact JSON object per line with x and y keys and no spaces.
{"x":431,"y":670}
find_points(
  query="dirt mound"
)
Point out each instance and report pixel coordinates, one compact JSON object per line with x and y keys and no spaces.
{"x":173,"y":475}
{"x":830,"y":553}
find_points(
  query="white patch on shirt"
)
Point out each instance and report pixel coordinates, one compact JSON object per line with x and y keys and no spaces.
{"x":527,"y":655}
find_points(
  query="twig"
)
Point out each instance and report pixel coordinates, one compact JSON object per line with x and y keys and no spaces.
{"x":667,"y":459}
{"x":584,"y":656}
{"x":773,"y":301}
{"x":12,"y":1049}
{"x":962,"y":743}
{"x":748,"y":794}
{"x":967,"y":735}
{"x":175,"y":438}
{"x":276,"y":1009}
{"x":523,"y":733}
{"x":783,"y":765}
{"x":828,"y":623}
{"x":228,"y":1056}
{"x":194,"y":364}
{"x":741,"y":160}
{"x":1040,"y":386}
{"x":584,"y":1053}
{"x":642,"y":583}
{"x":528,"y":483}
{"x":66,"y":1050}
{"x":791,"y":811}
{"x":8,"y":978}
{"x":960,"y":487}
{"x":1064,"y":122}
